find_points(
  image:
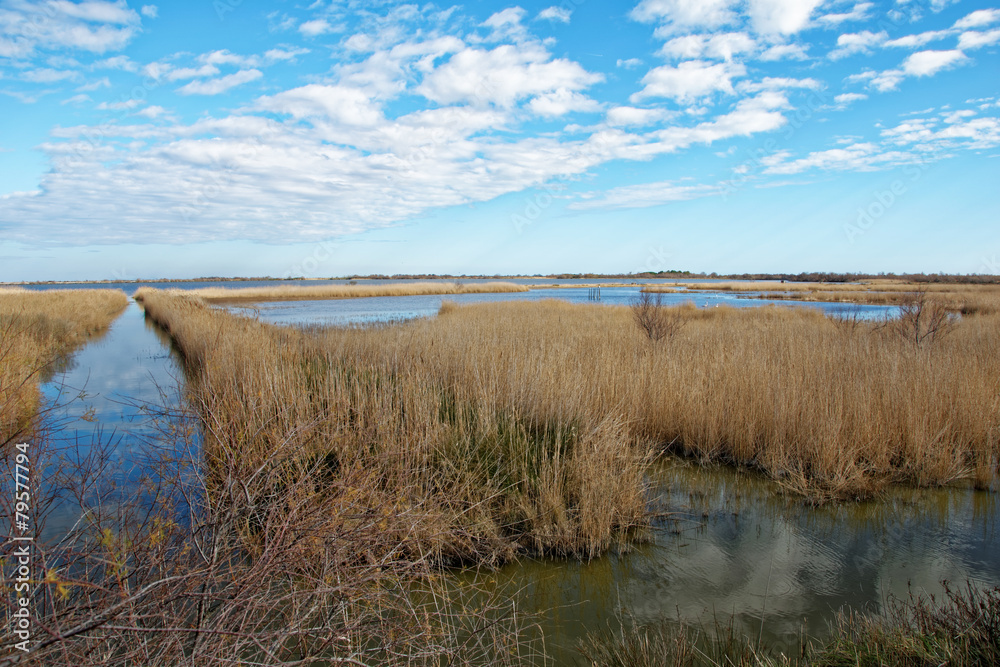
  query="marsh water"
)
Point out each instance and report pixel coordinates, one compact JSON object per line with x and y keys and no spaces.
{"x":727,"y":546}
{"x":387,"y":309}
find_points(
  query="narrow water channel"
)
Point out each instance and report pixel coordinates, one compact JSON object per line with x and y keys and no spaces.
{"x":101,"y":398}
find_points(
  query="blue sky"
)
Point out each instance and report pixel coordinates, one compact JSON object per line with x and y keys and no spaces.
{"x":239,"y":137}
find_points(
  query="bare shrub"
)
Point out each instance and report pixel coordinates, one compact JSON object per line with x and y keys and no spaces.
{"x":654,"y":319}
{"x":922,"y":319}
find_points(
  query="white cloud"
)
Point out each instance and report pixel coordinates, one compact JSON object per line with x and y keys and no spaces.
{"x":150,"y":11}
{"x":96,"y":26}
{"x":862,"y":77}
{"x":928,"y":63}
{"x":153,"y":111}
{"x":777,"y":83}
{"x":331,"y":163}
{"x":858,"y":42}
{"x":77,"y":99}
{"x":192,"y":72}
{"x":750,"y":116}
{"x":767,"y":17}
{"x":156,"y":71}
{"x":279,"y":55}
{"x":119,"y":106}
{"x":782,"y":17}
{"x":46,"y":75}
{"x":784,"y":51}
{"x":887,"y":80}
{"x":503,"y":76}
{"x":209,"y":64}
{"x":921,"y":63}
{"x":977,"y":134}
{"x":959,"y":116}
{"x":918,"y":40}
{"x":689,"y":81}
{"x":555,"y":13}
{"x":560,"y":102}
{"x":226,"y":57}
{"x":686,"y":14}
{"x":220,"y":85}
{"x":860,"y":12}
{"x":978,"y":19}
{"x":939,"y":5}
{"x":23,"y":97}
{"x":315,"y":27}
{"x":628,"y":63}
{"x":625,"y":116}
{"x":846,"y":99}
{"x":339,"y":104}
{"x":123,"y":63}
{"x":95,"y":11}
{"x":103,"y":82}
{"x":644,"y":195}
{"x":974,"y":133}
{"x":723,"y":46}
{"x":974,"y":40}
{"x":506,"y":25}
{"x":857,"y":157}
{"x":913,"y":141}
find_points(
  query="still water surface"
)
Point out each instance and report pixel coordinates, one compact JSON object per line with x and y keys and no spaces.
{"x":734,"y":549}
{"x":395,"y":308}
{"x":730,"y":545}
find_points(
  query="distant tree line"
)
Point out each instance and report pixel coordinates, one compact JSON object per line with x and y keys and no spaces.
{"x":815,"y":276}
{"x":855,"y":277}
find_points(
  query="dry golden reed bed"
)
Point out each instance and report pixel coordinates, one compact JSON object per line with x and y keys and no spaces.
{"x":469,"y":474}
{"x":831,"y":408}
{"x":36,"y":328}
{"x":309,"y":292}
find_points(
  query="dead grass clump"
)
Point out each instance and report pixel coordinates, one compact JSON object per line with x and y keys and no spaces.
{"x":36,"y":329}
